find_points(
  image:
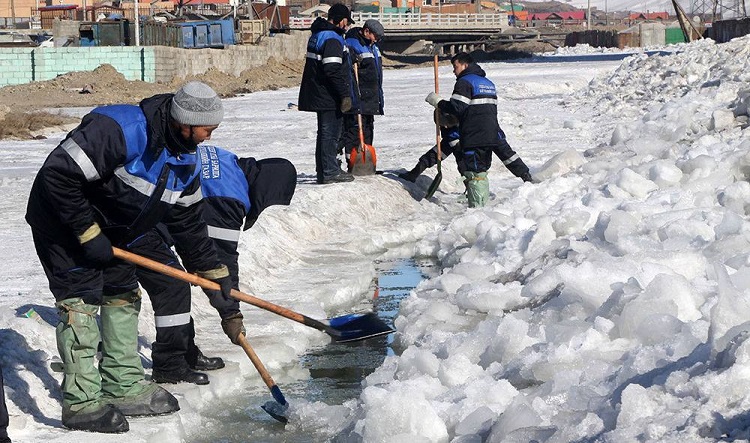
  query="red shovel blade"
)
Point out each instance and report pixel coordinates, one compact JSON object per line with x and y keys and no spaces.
{"x":362,"y":161}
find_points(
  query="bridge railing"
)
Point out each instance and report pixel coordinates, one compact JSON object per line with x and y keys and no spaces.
{"x":416,"y":21}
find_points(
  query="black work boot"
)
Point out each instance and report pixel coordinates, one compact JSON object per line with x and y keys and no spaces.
{"x":526,"y":177}
{"x":410,"y":176}
{"x":106,"y":418}
{"x":180,"y":375}
{"x":199,"y":362}
{"x":153,"y":401}
{"x":342,"y":177}
{"x":421,"y":165}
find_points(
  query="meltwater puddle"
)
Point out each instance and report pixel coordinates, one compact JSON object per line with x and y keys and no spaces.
{"x":336,"y":370}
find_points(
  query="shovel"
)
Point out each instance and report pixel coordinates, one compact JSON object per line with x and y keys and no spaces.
{"x":278,"y":409}
{"x":362,"y":159}
{"x":439,"y":176}
{"x":347,"y":328}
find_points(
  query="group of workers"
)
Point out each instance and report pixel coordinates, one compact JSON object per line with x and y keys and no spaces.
{"x":139,"y":178}
{"x":135,"y":177}
{"x":468,"y":120}
{"x":329,"y":87}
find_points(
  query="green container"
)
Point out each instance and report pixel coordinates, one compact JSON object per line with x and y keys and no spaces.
{"x":673,"y":35}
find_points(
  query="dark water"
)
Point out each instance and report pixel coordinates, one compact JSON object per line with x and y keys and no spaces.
{"x":336,"y":370}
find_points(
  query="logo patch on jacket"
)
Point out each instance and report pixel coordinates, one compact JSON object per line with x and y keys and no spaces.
{"x":210,"y":168}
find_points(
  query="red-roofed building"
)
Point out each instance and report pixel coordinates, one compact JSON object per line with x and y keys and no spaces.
{"x":649,"y":16}
{"x":558,"y":17}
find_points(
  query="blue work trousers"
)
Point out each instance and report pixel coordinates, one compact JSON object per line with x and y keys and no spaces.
{"x":326,"y":144}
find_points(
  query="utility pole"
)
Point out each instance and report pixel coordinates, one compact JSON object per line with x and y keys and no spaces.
{"x":137,"y":26}
{"x":588,"y":15}
{"x":606,"y":14}
{"x":13,"y":12}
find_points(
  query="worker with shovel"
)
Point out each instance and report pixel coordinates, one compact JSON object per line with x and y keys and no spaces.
{"x":235,"y":191}
{"x":368,"y":97}
{"x":450,"y":144}
{"x":122,"y":171}
{"x":474,"y":103}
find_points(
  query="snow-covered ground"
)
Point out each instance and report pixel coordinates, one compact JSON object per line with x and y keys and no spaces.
{"x":608,"y":302}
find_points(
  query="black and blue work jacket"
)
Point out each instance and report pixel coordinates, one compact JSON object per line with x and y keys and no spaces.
{"x":474,"y":102}
{"x":326,"y":79}
{"x":368,"y":94}
{"x":117,"y":169}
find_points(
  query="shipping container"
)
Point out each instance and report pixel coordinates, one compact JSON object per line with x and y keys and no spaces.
{"x":194,"y":34}
{"x":105,"y":33}
{"x":251,"y":31}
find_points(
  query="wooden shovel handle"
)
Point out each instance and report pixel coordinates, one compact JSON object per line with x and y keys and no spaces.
{"x":210,"y":285}
{"x":267,"y":379}
{"x":359,"y":113}
{"x":437,"y":111}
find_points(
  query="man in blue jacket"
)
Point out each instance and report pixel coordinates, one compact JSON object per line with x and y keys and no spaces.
{"x":368,"y":94}
{"x":474,"y":103}
{"x":122,"y":171}
{"x":326,"y":89}
{"x":235,"y":191}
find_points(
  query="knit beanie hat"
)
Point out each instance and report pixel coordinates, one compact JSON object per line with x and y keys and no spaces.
{"x":196,"y":104}
{"x":338,"y":12}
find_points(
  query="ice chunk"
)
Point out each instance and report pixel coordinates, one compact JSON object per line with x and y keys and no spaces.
{"x":735,"y":197}
{"x":561,"y":163}
{"x":665,"y":174}
{"x":458,"y":370}
{"x":619,"y":135}
{"x":620,"y":225}
{"x":634,"y":183}
{"x":721,"y":119}
{"x":478,"y":422}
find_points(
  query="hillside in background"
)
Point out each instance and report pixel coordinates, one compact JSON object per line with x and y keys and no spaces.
{"x":609,"y":5}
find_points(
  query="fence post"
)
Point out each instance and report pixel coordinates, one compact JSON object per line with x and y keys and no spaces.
{"x":143,"y":64}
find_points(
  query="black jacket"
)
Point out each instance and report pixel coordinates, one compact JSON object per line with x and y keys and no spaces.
{"x":118,"y":168}
{"x":474,"y":102}
{"x":236,"y":191}
{"x":326,"y":79}
{"x":370,"y":71}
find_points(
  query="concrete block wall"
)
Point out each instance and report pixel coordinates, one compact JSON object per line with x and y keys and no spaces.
{"x":16,"y":66}
{"x":148,"y":63}
{"x":233,"y":60}
{"x":129,"y":61}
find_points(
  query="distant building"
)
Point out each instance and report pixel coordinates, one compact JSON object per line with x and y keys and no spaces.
{"x":650,"y":16}
{"x":557,"y":18}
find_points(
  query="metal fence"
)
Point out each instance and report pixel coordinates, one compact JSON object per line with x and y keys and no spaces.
{"x":418,"y":20}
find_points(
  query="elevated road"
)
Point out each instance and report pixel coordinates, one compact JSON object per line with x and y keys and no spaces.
{"x":417,"y":32}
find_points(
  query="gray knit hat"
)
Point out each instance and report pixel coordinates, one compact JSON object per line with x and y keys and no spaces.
{"x":196,"y":104}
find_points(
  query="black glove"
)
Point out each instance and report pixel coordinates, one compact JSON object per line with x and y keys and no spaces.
{"x":222,"y":299}
{"x":233,"y":327}
{"x":96,"y":246}
{"x":346,"y":104}
{"x":226,"y":287}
